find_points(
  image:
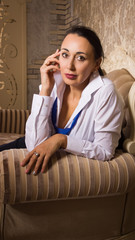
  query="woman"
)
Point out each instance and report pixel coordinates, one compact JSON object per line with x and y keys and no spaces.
{"x":77,"y":109}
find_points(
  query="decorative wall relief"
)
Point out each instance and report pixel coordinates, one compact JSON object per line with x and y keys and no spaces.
{"x":8,"y":85}
{"x":114,"y":22}
{"x":11,"y":66}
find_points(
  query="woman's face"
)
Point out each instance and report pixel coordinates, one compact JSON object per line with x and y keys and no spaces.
{"x":77,"y":60}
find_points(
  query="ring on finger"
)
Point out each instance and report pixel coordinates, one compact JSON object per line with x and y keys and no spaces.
{"x":37,"y":154}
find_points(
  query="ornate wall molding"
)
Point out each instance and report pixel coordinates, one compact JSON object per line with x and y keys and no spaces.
{"x":12,"y":54}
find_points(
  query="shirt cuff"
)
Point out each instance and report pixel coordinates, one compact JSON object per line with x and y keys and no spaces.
{"x":41,"y":105}
{"x":74,"y":145}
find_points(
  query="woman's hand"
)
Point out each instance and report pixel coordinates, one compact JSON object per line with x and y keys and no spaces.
{"x":38,"y":158}
{"x":47,"y":70}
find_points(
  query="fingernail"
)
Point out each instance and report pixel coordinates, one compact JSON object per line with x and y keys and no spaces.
{"x":42,"y":170}
{"x":34,"y":173}
{"x":26,"y":171}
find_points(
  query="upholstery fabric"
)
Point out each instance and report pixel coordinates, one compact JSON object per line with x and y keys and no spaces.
{"x":74,"y":219}
{"x":123,"y":81}
{"x":9,"y":137}
{"x":67,"y":176}
{"x":13,"y":121}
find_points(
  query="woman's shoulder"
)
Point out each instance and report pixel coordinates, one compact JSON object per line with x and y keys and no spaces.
{"x":107,"y":88}
{"x":107,"y":84}
{"x":110,"y":89}
{"x":107,"y":81}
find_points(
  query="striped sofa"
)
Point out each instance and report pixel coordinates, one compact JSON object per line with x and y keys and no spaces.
{"x":77,"y":198}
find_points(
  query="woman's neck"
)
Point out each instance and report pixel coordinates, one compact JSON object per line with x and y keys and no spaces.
{"x":73,"y":93}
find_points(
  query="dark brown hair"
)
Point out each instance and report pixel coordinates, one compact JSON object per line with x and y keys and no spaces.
{"x":93,"y":39}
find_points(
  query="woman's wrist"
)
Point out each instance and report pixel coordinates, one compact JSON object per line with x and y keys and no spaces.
{"x":62,"y":140}
{"x":45,"y":92}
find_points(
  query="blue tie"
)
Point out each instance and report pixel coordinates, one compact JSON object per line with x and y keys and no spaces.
{"x":65,"y":131}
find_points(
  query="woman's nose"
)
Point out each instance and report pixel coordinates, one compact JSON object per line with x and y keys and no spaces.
{"x":71,"y":64}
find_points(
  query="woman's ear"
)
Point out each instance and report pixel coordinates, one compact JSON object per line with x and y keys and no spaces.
{"x":98,"y":62}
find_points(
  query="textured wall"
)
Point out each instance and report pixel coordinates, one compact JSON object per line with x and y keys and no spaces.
{"x":37,"y":42}
{"x":38,"y":19}
{"x":39,"y":24}
{"x":113,"y":20}
{"x":47,"y":22}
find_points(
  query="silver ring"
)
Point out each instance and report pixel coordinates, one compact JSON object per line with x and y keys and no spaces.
{"x":37,"y":154}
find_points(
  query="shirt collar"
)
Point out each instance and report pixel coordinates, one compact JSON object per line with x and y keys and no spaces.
{"x":95,"y":83}
{"x":60,"y":85}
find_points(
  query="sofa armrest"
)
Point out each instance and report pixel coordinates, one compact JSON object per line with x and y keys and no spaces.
{"x":129,"y":144}
{"x":68,"y":176}
{"x":13,"y":121}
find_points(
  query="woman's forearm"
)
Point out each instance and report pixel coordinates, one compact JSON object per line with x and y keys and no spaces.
{"x":38,"y":127}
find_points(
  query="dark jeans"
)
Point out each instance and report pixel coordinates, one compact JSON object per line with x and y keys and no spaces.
{"x":18,"y":143}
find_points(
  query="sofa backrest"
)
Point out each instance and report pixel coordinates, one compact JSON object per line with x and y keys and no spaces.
{"x":123,"y":81}
{"x":13,"y":120}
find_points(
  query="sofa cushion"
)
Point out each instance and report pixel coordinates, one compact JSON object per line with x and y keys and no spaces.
{"x":9,"y":137}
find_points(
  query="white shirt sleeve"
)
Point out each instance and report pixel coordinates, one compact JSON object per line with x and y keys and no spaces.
{"x":38,"y":127}
{"x":107,"y":130}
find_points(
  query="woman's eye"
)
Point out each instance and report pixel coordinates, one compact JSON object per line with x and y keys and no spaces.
{"x":64,"y":55}
{"x":81,"y":58}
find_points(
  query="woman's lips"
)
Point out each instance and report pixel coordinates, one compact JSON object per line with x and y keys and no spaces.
{"x":70,"y":76}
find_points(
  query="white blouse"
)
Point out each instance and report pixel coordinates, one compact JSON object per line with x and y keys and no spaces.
{"x":98,"y":128}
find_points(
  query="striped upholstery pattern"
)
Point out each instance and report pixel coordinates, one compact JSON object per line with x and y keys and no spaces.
{"x":13,"y":121}
{"x":123,"y":81}
{"x":67,"y":176}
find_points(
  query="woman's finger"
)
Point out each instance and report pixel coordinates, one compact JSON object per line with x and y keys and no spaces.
{"x":56,"y":54}
{"x":31,"y":163}
{"x":52,"y":59}
{"x":45,"y":162}
{"x":38,"y":164}
{"x":50,"y":68}
{"x":27,"y":158}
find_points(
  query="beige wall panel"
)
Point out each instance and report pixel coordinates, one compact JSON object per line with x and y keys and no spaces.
{"x":13,"y":89}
